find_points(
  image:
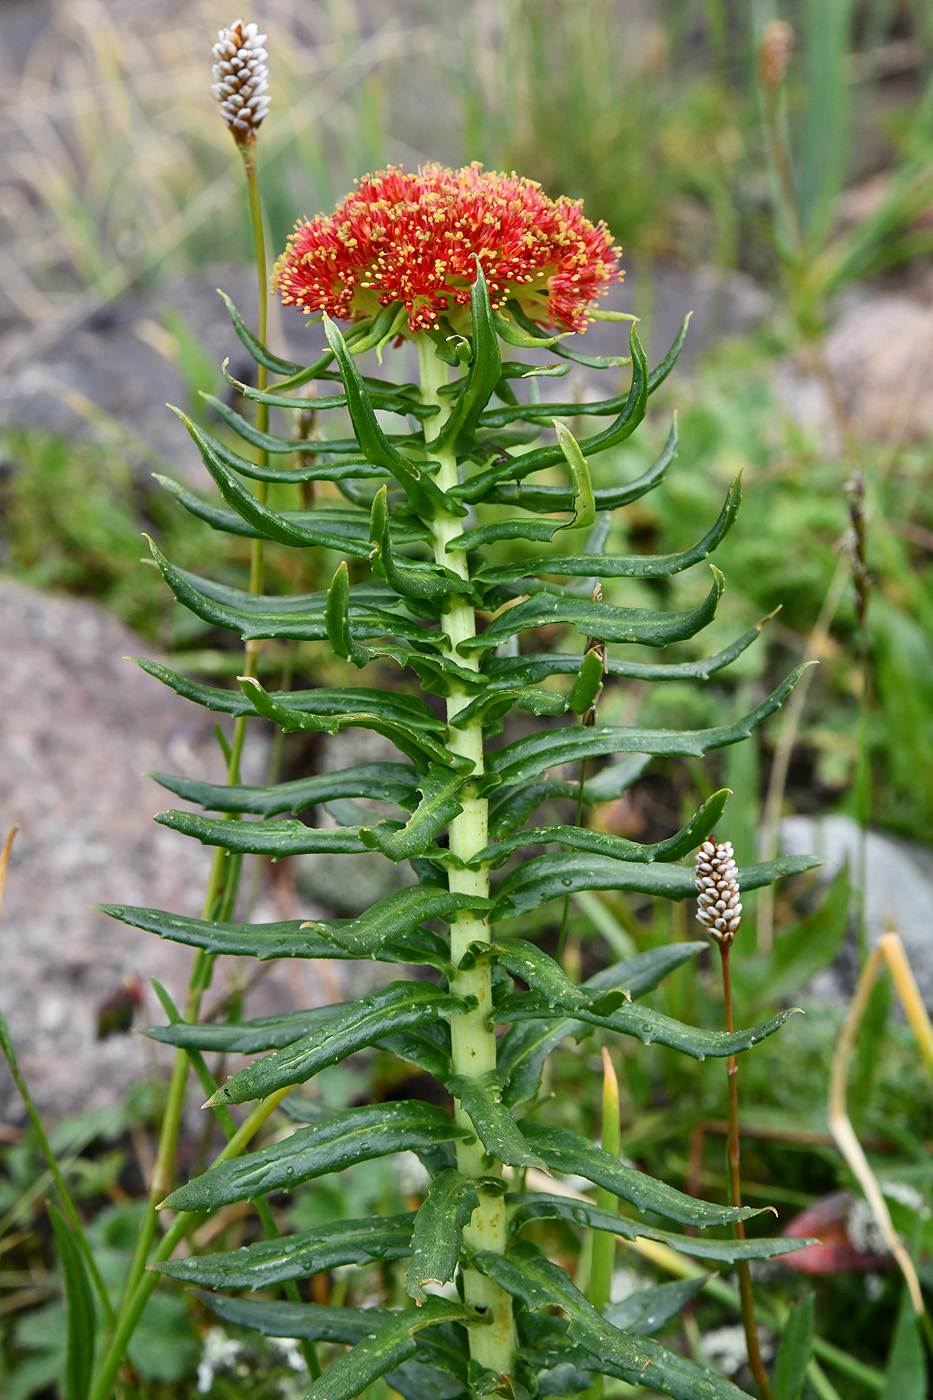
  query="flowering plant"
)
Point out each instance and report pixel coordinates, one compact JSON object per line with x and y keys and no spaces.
{"x":424,"y":501}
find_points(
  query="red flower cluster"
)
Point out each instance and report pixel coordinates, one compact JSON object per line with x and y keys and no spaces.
{"x":415,"y":239}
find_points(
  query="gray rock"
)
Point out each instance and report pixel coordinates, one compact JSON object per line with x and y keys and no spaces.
{"x":898,"y":893}
{"x":879,"y":352}
{"x":79,"y":725}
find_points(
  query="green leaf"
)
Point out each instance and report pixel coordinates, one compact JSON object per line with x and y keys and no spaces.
{"x":290,"y":528}
{"x":539,"y":1206}
{"x":404,"y":943}
{"x":258,"y":351}
{"x":481,"y":1100}
{"x":610,"y":624}
{"x":526,"y":758}
{"x":525,"y":1047}
{"x":438,"y":1231}
{"x":489,"y":708}
{"x":390,"y":782}
{"x":380,"y":1352}
{"x":350,"y":1027}
{"x":81,"y":1318}
{"x":620,"y":565}
{"x":243,"y":1037}
{"x":603,"y":843}
{"x":793,"y":1357}
{"x":409,"y":580}
{"x":536,"y":666}
{"x":661,"y":371}
{"x":552,"y":877}
{"x":318,"y":469}
{"x":906,"y":1373}
{"x":275,"y":839}
{"x":268,"y":1262}
{"x":589,"y":680}
{"x":647,"y":1310}
{"x":482,"y":535}
{"x":347,"y":1325}
{"x":439,"y":805}
{"x":572,"y":1155}
{"x":633,"y":411}
{"x":532,"y":965}
{"x":512,"y":333}
{"x":648,"y":1026}
{"x":421,"y":747}
{"x":354,"y":1135}
{"x":338,"y":620}
{"x":584,"y":503}
{"x":538,"y":1283}
{"x":279,"y":621}
{"x":424,"y":495}
{"x":394,"y":916}
{"x":548,"y":498}
{"x":483,"y":375}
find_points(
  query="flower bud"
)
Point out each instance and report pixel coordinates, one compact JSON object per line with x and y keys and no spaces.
{"x":774,"y":53}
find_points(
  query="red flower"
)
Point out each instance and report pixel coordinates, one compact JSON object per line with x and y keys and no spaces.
{"x":415,"y":239}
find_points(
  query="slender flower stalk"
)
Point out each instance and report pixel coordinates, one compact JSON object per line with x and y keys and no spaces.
{"x":719,"y":910}
{"x":240,"y":85}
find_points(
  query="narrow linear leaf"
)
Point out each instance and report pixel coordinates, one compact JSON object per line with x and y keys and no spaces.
{"x":393,"y":916}
{"x":611,"y":624}
{"x":439,"y":804}
{"x":421,"y":747}
{"x":259,"y":352}
{"x":527,"y":1044}
{"x":425,"y":496}
{"x":381,"y":1352}
{"x":537,"y":1282}
{"x":621,"y":565}
{"x":350,"y":1027}
{"x":532,"y":965}
{"x":572,"y":1155}
{"x":275,"y":839}
{"x":269,"y":1262}
{"x":342,"y":1325}
{"x":552,"y":877}
{"x":793,"y":1357}
{"x":354,"y":1135}
{"x":548,"y":498}
{"x":408,"y":579}
{"x":648,"y":1309}
{"x":590,"y":1217}
{"x":404,"y":942}
{"x":436,"y":1238}
{"x":632,"y":413}
{"x":584,"y":503}
{"x":81,"y":1325}
{"x":483,"y":375}
{"x":533,"y":667}
{"x":481,"y":1100}
{"x":648,"y":1026}
{"x":390,"y":782}
{"x":526,"y":758}
{"x":605,"y":844}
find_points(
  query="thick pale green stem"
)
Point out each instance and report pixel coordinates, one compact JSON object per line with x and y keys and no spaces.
{"x":473,"y":1040}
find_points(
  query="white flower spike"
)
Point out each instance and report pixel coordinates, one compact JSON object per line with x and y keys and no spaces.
{"x":718,"y":907}
{"x":241,"y":79}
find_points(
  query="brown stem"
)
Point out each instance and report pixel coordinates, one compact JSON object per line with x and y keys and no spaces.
{"x":755,"y":1362}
